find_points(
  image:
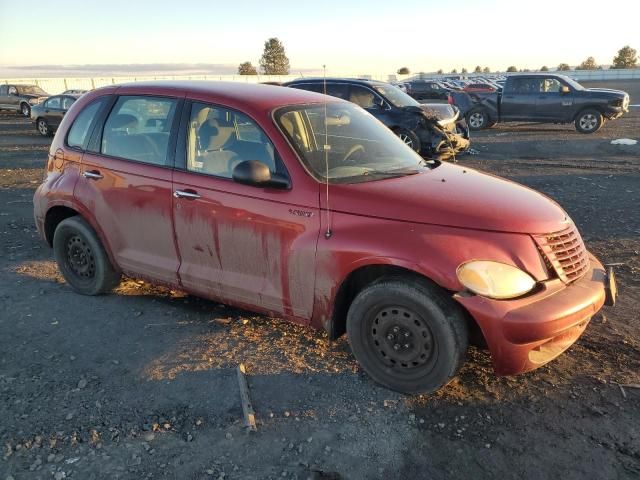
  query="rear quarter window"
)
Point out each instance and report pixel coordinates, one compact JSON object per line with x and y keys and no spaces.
{"x":81,"y":128}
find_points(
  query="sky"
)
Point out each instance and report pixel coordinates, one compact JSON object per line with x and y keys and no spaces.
{"x":349,"y":37}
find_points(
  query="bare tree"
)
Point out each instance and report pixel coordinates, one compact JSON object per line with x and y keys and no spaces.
{"x":564,"y":67}
{"x":512,"y":69}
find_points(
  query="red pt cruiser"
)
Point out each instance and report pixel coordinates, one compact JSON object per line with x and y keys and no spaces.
{"x":303,"y":206}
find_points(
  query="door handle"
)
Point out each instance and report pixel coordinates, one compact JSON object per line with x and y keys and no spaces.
{"x":188,"y":194}
{"x":92,"y":175}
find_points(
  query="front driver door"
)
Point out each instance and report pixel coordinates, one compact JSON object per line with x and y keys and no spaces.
{"x":553,"y":105}
{"x":241,"y":244}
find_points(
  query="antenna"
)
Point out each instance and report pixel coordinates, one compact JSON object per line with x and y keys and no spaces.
{"x":327,"y":147}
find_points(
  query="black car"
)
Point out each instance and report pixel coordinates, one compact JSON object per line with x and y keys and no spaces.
{"x":427,"y":90}
{"x":542,"y":98}
{"x":434,"y":131}
{"x":48,"y":114}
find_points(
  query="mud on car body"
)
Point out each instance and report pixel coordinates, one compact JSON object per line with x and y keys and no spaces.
{"x":433,"y":130}
{"x":220,"y":189}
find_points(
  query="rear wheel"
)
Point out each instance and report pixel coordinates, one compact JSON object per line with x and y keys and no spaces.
{"x":478,"y":119}
{"x":43,"y":127}
{"x":82,"y":259}
{"x":409,"y":138}
{"x":407,"y":335}
{"x":25,"y":109}
{"x":589,"y":121}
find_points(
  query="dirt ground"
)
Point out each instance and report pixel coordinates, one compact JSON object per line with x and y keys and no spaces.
{"x":142,"y":383}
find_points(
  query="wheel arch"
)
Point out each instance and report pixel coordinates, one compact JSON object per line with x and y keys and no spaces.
{"x":588,"y":107}
{"x":63,"y":210}
{"x":365,"y":275}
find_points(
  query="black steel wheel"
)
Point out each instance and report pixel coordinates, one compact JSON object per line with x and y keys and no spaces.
{"x":81,"y":258}
{"x":407,"y":334}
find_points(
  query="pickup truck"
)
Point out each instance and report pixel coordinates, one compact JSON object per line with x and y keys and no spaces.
{"x":542,"y":98}
{"x":20,"y":98}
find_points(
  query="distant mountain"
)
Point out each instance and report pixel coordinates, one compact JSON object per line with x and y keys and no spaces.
{"x":129,"y":70}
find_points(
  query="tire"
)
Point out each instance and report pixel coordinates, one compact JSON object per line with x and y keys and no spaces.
{"x":589,"y":121}
{"x":25,"y":109}
{"x":43,"y":127}
{"x":478,"y":119}
{"x":82,"y":259}
{"x":395,"y":310}
{"x":409,"y":138}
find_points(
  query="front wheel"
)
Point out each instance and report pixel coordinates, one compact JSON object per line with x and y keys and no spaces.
{"x":82,"y":259}
{"x":407,"y":335}
{"x":589,"y":121}
{"x":25,"y":109}
{"x":409,"y":138}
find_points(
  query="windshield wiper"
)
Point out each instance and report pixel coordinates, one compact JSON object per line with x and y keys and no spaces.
{"x":391,"y":173}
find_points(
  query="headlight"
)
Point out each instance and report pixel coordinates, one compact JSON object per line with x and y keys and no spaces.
{"x":34,"y":101}
{"x":494,"y":279}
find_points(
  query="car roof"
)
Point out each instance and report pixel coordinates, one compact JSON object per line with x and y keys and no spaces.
{"x":260,"y":96}
{"x":361,"y":81}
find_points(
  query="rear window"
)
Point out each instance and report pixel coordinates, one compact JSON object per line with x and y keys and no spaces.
{"x":79,"y":131}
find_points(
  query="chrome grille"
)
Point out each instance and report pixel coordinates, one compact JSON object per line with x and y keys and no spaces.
{"x":565,"y":252}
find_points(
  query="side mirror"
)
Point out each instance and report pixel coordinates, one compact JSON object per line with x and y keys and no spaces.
{"x":256,"y":174}
{"x":564,"y":89}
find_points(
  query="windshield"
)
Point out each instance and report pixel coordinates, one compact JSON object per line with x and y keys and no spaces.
{"x":573,"y":83}
{"x":395,"y":96}
{"x":31,"y":90}
{"x":354,"y":148}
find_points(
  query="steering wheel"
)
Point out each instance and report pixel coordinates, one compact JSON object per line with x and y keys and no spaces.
{"x":357,"y":148}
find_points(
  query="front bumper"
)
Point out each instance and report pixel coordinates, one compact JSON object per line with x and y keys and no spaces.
{"x":525,"y":333}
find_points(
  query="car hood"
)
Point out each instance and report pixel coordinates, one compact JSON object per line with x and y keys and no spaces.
{"x":453,"y":196}
{"x":442,"y":112}
{"x":606,"y":92}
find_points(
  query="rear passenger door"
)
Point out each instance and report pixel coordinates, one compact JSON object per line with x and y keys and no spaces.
{"x":126,"y":184}
{"x":53,"y":111}
{"x":520,"y":99}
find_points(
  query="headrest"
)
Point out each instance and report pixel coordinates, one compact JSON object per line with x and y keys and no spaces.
{"x":123,"y":120}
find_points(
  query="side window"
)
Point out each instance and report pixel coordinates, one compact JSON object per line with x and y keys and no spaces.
{"x":550,"y":85}
{"x":339,"y":90}
{"x":13,"y":90}
{"x":219,"y":139}
{"x":363,"y":97}
{"x":525,"y":85}
{"x":138,"y":129}
{"x":312,"y":87}
{"x":67,"y":102}
{"x":4,"y":89}
{"x":53,"y":102}
{"x":79,"y":131}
